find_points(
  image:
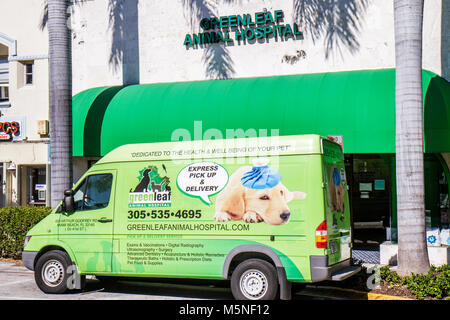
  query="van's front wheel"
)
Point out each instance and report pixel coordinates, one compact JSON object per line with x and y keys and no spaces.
{"x":254,"y":279}
{"x":55,"y":273}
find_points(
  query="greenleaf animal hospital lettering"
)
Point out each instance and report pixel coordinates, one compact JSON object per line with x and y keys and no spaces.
{"x":261,"y":25}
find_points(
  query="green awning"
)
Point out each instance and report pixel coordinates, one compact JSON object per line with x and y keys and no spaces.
{"x":359,"y":105}
{"x":436,"y":113}
{"x":88,"y":108}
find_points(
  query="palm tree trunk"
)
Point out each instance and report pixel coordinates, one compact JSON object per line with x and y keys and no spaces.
{"x":60,"y":99}
{"x":412,"y":248}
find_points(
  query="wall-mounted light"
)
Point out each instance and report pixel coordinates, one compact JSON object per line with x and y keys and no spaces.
{"x":11,"y":166}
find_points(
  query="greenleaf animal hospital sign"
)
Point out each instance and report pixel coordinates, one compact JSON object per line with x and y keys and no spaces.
{"x":261,"y":25}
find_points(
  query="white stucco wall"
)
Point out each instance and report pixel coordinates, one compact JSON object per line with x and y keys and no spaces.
{"x":20,"y":24}
{"x":154,"y":31}
{"x":147,"y":38}
{"x":20,"y":20}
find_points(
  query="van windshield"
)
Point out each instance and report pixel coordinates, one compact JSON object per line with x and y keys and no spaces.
{"x":93,"y":192}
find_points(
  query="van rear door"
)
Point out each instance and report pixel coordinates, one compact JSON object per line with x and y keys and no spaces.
{"x":337,"y":207}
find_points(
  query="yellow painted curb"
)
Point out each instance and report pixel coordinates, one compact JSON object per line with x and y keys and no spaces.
{"x":378,"y":296}
{"x":348,"y":293}
{"x":374,"y":296}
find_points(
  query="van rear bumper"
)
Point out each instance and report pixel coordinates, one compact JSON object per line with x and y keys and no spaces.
{"x":28,"y":259}
{"x":320,"y":270}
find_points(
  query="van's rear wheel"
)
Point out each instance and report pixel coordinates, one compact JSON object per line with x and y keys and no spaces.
{"x":254,"y":279}
{"x":55,"y":273}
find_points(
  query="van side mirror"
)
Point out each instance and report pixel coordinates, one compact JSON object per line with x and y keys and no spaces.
{"x":68,"y":202}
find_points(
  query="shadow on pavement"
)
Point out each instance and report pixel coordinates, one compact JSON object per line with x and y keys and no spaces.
{"x":164,"y":288}
{"x":179,"y":289}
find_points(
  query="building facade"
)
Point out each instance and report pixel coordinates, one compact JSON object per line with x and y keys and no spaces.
{"x":124,"y":42}
{"x":24,"y":143}
{"x":138,"y":60}
{"x":144,"y":69}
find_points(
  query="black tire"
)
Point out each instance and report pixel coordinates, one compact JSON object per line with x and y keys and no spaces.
{"x":254,"y":279}
{"x":54,"y":273}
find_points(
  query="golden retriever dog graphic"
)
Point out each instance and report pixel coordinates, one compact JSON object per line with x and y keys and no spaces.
{"x":237,"y":202}
{"x":336,"y":191}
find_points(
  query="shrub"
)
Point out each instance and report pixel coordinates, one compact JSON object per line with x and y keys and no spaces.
{"x":436,"y":283}
{"x":15,"y":222}
{"x":389,"y":276}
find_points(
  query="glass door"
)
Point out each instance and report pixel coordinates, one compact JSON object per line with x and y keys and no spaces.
{"x":370,"y":189}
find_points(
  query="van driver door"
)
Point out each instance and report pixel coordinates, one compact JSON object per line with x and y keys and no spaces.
{"x":88,"y":230}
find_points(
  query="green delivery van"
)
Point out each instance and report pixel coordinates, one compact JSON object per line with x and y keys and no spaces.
{"x":262,"y":212}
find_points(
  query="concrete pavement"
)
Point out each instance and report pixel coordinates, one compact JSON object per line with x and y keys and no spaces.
{"x":17,"y":283}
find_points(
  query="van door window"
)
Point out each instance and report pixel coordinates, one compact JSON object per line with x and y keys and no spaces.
{"x":93,"y":192}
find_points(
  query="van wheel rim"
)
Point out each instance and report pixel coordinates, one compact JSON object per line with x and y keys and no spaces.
{"x":253,"y":284}
{"x":53,"y":273}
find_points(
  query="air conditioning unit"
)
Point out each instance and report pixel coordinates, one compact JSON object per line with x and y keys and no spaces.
{"x":43,"y":127}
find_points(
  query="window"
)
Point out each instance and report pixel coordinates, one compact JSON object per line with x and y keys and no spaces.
{"x":35,"y":187}
{"x":93,"y":192}
{"x":4,"y":93}
{"x":4,"y":80}
{"x":29,"y":66}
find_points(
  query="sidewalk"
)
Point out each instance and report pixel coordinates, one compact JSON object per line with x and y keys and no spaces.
{"x":14,"y":266}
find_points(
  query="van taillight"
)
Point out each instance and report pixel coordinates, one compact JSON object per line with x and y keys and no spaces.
{"x":27,"y":239}
{"x":321,"y":235}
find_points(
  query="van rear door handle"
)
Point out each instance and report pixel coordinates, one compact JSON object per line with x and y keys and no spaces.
{"x":104,"y":220}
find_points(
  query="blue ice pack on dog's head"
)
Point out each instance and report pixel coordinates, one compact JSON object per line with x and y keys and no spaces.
{"x":336,"y":176}
{"x":261,"y":176}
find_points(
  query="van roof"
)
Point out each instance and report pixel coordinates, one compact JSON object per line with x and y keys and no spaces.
{"x":213,"y":149}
